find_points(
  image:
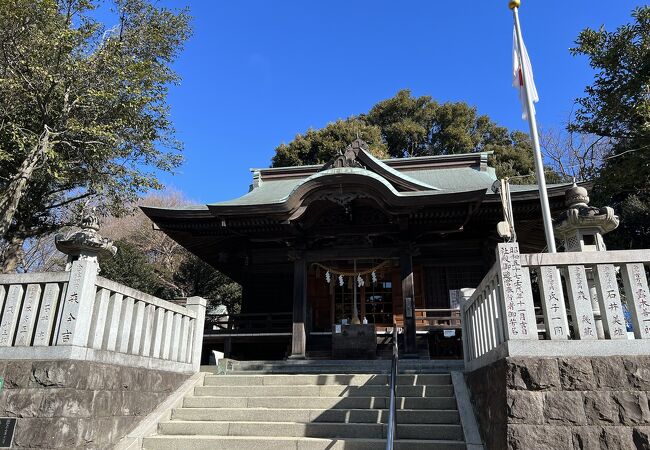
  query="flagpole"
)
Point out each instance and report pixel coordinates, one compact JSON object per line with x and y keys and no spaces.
{"x":539,"y":165}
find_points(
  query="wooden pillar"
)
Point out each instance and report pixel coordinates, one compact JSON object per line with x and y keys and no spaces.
{"x":298,"y":337}
{"x":227,"y":347}
{"x":408,"y":297}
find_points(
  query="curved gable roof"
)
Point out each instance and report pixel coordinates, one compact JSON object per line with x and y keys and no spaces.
{"x":358,"y":155}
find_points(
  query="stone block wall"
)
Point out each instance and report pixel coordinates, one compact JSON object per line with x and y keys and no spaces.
{"x":563,"y":403}
{"x":77,"y":404}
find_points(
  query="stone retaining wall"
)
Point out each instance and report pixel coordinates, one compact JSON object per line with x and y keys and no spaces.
{"x":563,"y":403}
{"x":68,"y":404}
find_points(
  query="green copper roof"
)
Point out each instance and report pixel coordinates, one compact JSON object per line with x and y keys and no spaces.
{"x":407,"y":177}
{"x":271,"y":191}
{"x":278,"y":191}
{"x":454,"y":179}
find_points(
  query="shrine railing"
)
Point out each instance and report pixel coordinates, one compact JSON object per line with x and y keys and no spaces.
{"x":79,"y":315}
{"x":437,"y":319}
{"x":249,"y":323}
{"x":569,"y":304}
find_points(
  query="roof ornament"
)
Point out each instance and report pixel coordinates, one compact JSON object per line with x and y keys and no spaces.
{"x":348,"y":157}
{"x":86,"y":243}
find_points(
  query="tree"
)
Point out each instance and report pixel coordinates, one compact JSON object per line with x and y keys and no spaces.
{"x":515,"y":161}
{"x":83,"y":113}
{"x":201,"y":279}
{"x":405,"y":123}
{"x":574,"y":155}
{"x":151,"y":261}
{"x":163,"y":253}
{"x":617,"y":107}
{"x":405,"y":126}
{"x":131,"y":267}
{"x":319,"y":146}
{"x":617,"y":104}
{"x":38,"y":254}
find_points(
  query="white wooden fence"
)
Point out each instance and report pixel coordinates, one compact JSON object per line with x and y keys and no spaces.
{"x":560,"y":304}
{"x":80,"y":315}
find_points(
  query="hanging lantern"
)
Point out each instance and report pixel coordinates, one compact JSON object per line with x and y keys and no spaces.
{"x":360,"y":282}
{"x":341,"y":281}
{"x":328,"y":277}
{"x":374,"y":276}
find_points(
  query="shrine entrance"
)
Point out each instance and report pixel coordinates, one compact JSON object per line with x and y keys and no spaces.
{"x":353,"y":291}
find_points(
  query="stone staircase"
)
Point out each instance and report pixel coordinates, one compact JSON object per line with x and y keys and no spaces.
{"x":251,"y":410}
{"x":333,"y":366}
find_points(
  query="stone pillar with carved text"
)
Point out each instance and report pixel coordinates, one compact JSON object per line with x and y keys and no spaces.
{"x":83,"y":249}
{"x":516,"y":307}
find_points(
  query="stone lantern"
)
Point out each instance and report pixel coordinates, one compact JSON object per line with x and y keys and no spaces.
{"x":86,"y":244}
{"x":581,"y":228}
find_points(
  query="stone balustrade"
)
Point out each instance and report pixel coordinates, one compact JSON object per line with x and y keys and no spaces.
{"x":82,"y":316}
{"x":482,"y":332}
{"x":561,"y":304}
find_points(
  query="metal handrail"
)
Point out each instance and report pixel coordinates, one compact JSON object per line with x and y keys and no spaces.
{"x":392,"y":413}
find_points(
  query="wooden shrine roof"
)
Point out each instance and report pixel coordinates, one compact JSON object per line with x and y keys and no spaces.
{"x":401,"y":183}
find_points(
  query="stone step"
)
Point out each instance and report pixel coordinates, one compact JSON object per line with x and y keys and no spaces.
{"x":378,"y":402}
{"x":317,"y":430}
{"x":289,"y":443}
{"x":325,"y":379}
{"x":405,"y":416}
{"x":323,"y":391}
{"x":334,"y":370}
{"x":337,"y":366}
{"x":346,"y":362}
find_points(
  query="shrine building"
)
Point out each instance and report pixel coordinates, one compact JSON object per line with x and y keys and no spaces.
{"x":357,"y":240}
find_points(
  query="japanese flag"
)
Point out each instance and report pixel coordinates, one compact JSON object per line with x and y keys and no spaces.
{"x":517,"y":75}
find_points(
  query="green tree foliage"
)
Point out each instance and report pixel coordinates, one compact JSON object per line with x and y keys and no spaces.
{"x":83,"y":112}
{"x":319,"y":146}
{"x":405,"y":123}
{"x":405,"y":126}
{"x":132,"y":268}
{"x":617,"y":107}
{"x":201,"y":279}
{"x":515,"y":160}
{"x":617,"y":104}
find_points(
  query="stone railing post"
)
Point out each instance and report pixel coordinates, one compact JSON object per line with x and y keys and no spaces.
{"x":77,"y":307}
{"x":197,"y":305}
{"x":516,"y":307}
{"x":83,"y":249}
{"x":465,"y":295}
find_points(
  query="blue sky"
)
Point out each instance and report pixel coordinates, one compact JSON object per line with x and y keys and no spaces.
{"x":255,"y":73}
